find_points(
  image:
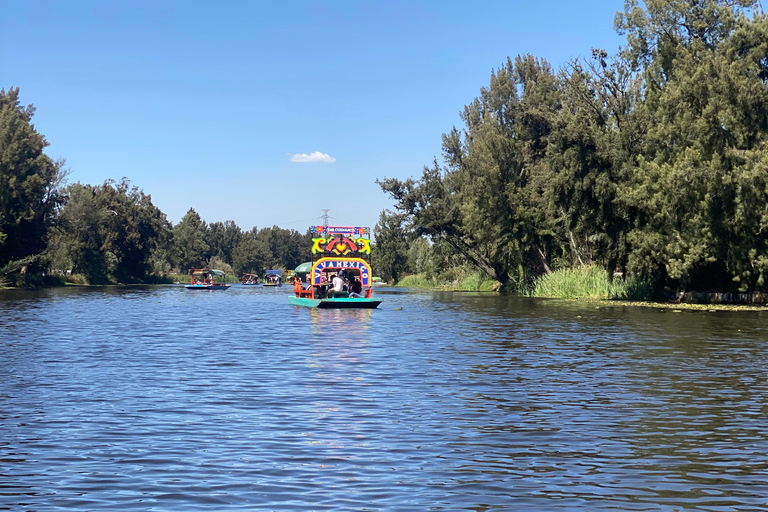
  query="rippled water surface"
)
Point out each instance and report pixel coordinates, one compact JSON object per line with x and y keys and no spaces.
{"x":165,"y":399}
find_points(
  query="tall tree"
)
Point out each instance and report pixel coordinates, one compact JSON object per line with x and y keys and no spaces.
{"x":487,"y":201}
{"x":133,"y":227}
{"x":189,"y":244}
{"x":222,"y":238}
{"x":390,"y":251}
{"x":80,"y":234}
{"x":29,"y":182}
{"x":252,"y":254}
{"x":699,"y":189}
{"x":107,"y":232}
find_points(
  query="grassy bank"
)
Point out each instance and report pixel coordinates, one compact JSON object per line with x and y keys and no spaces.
{"x":457,"y":279}
{"x":45,"y":281}
{"x":588,"y":282}
{"x":591,"y":283}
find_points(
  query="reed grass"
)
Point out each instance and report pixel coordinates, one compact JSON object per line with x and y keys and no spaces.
{"x":588,"y":282}
{"x":457,"y":279}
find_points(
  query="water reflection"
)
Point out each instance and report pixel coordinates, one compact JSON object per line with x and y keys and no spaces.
{"x":157,"y":398}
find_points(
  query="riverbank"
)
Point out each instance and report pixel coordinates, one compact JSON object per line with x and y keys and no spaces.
{"x":55,"y":281}
{"x":590,"y":285}
{"x":674,"y":307}
{"x":459,"y":280}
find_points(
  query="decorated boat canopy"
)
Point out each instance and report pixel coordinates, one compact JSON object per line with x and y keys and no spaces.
{"x":325,"y":264}
{"x":340,"y":240}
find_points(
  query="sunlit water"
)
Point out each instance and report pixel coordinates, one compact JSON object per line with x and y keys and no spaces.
{"x":166,"y":399}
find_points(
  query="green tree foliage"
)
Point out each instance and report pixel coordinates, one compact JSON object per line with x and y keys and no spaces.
{"x":107,"y":232}
{"x":651,"y":162}
{"x":222,"y":238}
{"x":699,"y":188}
{"x":79,"y":237}
{"x":252,"y":254}
{"x":487,"y":201}
{"x":190,"y":249}
{"x":133,"y":227}
{"x":29,"y":182}
{"x":390,"y":251}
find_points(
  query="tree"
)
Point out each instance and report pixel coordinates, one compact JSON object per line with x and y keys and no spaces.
{"x":133,"y":227}
{"x":487,"y":201}
{"x":252,"y":254}
{"x":190,"y":248}
{"x":107,"y":232}
{"x":79,"y":237}
{"x":222,"y":238}
{"x":390,"y":251}
{"x":699,"y":189}
{"x":29,"y":182}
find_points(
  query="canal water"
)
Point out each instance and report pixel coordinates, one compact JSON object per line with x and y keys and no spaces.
{"x":165,"y":399}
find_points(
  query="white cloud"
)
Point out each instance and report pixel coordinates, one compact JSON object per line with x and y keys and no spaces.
{"x":313,"y":157}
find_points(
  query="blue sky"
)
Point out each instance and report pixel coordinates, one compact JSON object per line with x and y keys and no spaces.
{"x":211,"y":105}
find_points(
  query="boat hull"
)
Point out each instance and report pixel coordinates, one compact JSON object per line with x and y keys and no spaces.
{"x":207,"y":286}
{"x":342,"y":302}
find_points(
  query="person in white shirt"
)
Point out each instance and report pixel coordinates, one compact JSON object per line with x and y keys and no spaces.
{"x":338,"y":284}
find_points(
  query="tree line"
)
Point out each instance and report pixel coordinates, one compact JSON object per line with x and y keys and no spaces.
{"x":650,"y":163}
{"x":110,"y":232}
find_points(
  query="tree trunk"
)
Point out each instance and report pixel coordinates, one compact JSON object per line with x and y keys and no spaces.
{"x":574,"y":247}
{"x":542,"y":258}
{"x":480,"y":261}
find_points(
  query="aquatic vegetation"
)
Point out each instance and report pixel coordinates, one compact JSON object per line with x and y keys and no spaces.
{"x":588,"y":281}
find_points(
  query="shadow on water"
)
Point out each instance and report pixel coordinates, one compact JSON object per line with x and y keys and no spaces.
{"x":160,"y":398}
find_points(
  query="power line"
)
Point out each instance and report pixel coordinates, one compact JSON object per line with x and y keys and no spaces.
{"x":296,"y":221}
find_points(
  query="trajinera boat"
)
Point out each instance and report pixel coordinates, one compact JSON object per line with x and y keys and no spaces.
{"x":249,"y":279}
{"x":274,"y":278}
{"x":341,"y":253}
{"x":207,"y":279}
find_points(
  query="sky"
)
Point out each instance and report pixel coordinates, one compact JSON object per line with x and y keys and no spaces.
{"x":266,"y":113}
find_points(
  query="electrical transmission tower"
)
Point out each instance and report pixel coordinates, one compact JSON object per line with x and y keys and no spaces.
{"x":325,"y":219}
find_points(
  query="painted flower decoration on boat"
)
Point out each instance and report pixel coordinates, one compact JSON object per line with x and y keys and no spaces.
{"x":341,"y":246}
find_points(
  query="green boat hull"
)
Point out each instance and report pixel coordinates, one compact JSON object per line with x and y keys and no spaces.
{"x":344,"y":302}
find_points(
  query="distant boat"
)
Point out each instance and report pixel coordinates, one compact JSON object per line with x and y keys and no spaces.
{"x":249,"y":279}
{"x":273,"y":278}
{"x":207,"y":279}
{"x":342,"y":250}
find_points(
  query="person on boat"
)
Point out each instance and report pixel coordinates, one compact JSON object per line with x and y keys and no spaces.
{"x":355,"y":289}
{"x":343,"y":276}
{"x":338,"y":285}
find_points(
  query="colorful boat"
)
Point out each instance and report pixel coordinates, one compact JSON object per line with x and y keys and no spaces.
{"x":207,"y":279}
{"x":273,"y":278}
{"x":249,"y":279}
{"x":341,"y":255}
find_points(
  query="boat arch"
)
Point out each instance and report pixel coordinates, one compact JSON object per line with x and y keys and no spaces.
{"x":342,"y":264}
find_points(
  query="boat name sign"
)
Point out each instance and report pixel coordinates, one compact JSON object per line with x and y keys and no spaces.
{"x":358,"y":264}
